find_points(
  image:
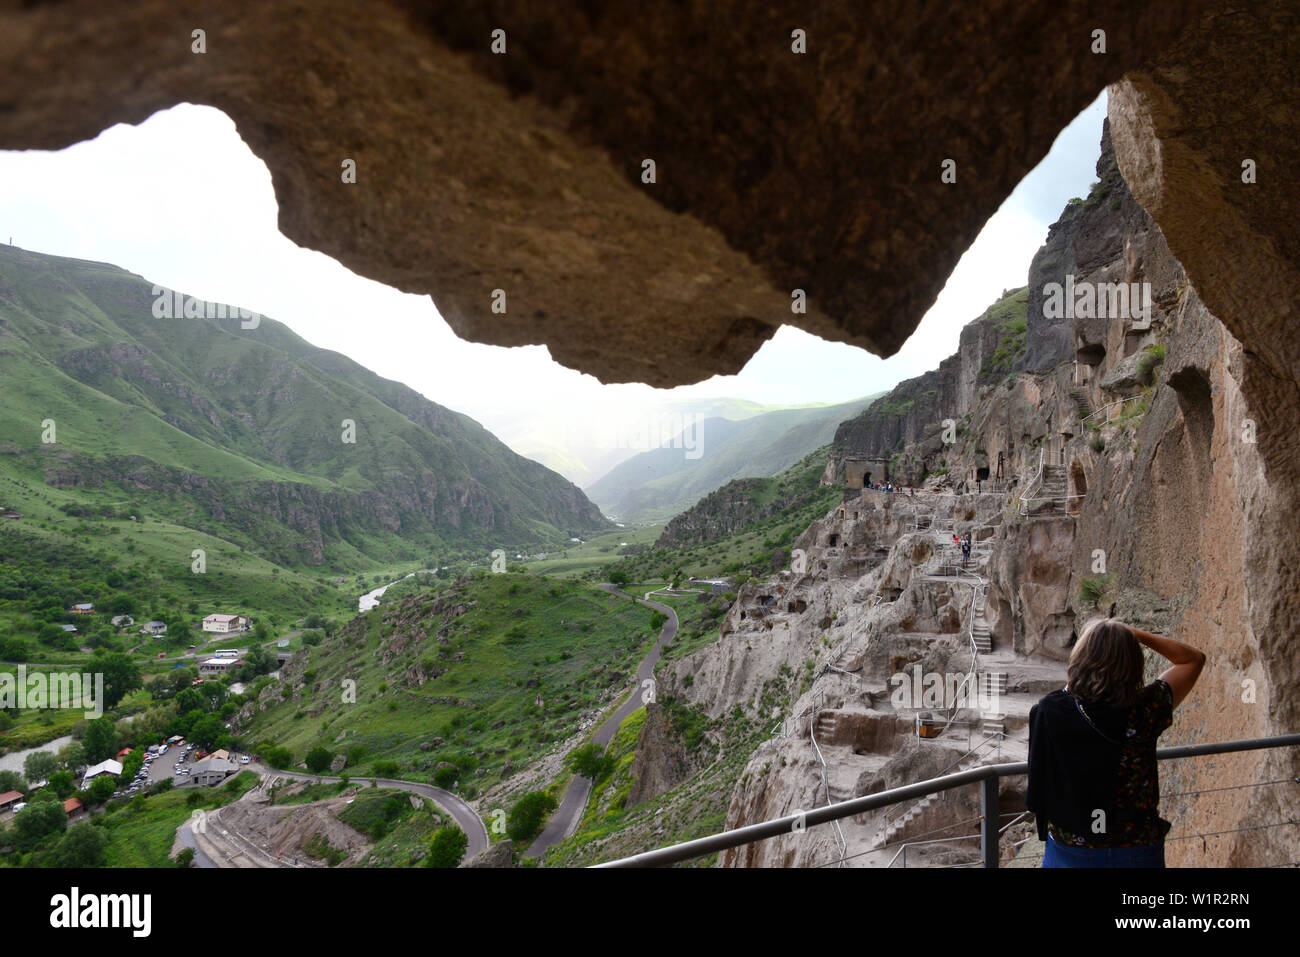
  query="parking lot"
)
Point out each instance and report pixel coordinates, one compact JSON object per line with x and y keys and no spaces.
{"x":176,"y":762}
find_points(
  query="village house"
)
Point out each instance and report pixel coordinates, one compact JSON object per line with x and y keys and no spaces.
{"x":9,"y":799}
{"x":212,"y":771}
{"x":84,"y":608}
{"x":219,"y":666}
{"x":74,"y":810}
{"x":225,"y":624}
{"x":70,"y":629}
{"x":122,"y":621}
{"x":154,"y":628}
{"x":104,"y":767}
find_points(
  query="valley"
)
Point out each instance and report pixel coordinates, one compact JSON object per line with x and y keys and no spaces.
{"x":881,"y":601}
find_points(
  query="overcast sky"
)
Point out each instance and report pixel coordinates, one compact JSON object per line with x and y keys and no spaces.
{"x":182,"y":201}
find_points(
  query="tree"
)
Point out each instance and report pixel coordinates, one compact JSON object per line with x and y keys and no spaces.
{"x":72,"y":756}
{"x":277,"y":757}
{"x":446,"y":776}
{"x":39,"y":765}
{"x":102,"y":788}
{"x":38,"y":820}
{"x":525,"y":818}
{"x":257,"y":661}
{"x":189,"y":699}
{"x":121,"y":675}
{"x":132,"y":763}
{"x":10,"y":781}
{"x":83,"y":846}
{"x":206,"y":730}
{"x":447,"y":847}
{"x":100,"y":741}
{"x":61,"y":781}
{"x":318,"y":759}
{"x":618,"y":577}
{"x":591,"y":761}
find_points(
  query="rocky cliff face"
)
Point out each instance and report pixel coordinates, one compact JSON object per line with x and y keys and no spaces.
{"x":532,"y":156}
{"x":1152,"y":505}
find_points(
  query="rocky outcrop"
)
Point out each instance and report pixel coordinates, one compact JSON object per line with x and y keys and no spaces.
{"x":775,"y":169}
{"x":1161,"y":489}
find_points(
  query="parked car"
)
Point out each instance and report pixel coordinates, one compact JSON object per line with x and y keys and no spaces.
{"x":19,"y":806}
{"x":245,"y":759}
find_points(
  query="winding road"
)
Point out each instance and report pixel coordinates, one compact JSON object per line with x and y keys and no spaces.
{"x":566,"y":817}
{"x":464,"y":815}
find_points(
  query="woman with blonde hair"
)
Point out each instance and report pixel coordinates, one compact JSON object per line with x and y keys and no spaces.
{"x":1093,"y":781}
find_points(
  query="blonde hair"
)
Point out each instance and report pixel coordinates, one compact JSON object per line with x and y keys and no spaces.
{"x":1106,"y":664}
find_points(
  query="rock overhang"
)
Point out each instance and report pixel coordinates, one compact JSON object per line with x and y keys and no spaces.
{"x":524,"y":172}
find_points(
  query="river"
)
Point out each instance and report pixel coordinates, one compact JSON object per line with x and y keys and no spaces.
{"x":14,"y":760}
{"x":371,"y":598}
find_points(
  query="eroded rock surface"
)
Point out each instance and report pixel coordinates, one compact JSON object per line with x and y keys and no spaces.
{"x":523,"y":171}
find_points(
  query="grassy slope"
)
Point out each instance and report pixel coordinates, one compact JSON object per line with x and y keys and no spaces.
{"x":747,"y":550}
{"x":577,"y":643}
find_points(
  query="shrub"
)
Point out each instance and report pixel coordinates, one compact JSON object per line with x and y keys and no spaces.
{"x":1151,"y":357}
{"x":318,"y":759}
{"x":526,"y":816}
{"x":447,"y":847}
{"x":591,"y":761}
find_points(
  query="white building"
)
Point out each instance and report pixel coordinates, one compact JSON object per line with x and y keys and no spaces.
{"x":224,"y":624}
{"x":104,"y":767}
{"x":219,"y":666}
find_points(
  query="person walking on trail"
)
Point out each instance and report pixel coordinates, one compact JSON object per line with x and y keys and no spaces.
{"x":965,"y":551}
{"x":1093,"y":781}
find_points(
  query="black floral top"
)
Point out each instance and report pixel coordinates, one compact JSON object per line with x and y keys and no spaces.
{"x":1137,"y":785}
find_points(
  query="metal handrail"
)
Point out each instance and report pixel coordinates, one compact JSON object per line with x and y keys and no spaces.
{"x":1108,"y":405}
{"x":893,"y":815}
{"x":1033,"y":482}
{"x":812,"y":736}
{"x":977,"y":595}
{"x":987,"y":776}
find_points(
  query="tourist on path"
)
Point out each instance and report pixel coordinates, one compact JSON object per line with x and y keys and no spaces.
{"x":1093,"y":782}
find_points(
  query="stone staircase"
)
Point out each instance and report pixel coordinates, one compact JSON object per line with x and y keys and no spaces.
{"x":993,"y":683}
{"x":826,"y":726}
{"x":980,"y":627}
{"x":1050,"y":497}
{"x":993,"y":722}
{"x":890,"y":829}
{"x":1079,"y":396}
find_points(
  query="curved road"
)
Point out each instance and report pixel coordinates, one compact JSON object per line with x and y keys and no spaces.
{"x":464,"y":815}
{"x":570,"y":811}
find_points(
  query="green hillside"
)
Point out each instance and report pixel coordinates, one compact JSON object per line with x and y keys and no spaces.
{"x":484,"y":673}
{"x":744,"y":528}
{"x":132,"y":444}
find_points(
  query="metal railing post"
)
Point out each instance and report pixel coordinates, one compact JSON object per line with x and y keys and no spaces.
{"x":989,"y":825}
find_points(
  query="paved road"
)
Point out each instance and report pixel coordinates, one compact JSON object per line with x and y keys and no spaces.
{"x":568,"y":814}
{"x":464,"y":815}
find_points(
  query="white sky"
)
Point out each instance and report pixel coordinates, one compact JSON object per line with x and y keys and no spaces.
{"x":181,"y":200}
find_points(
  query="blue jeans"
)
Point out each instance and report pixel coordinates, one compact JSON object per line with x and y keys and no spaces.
{"x":1142,"y":855}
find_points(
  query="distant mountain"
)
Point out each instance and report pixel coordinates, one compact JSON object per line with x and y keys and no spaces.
{"x":586,"y":448}
{"x":661,"y":482}
{"x":292,"y":452}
